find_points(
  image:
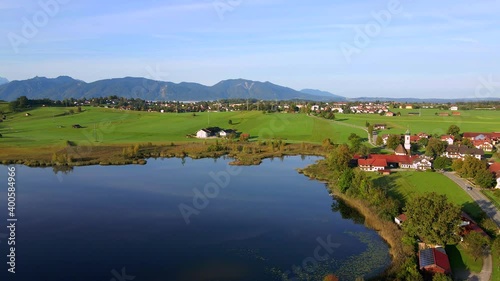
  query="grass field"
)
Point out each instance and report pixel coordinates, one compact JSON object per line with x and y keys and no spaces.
{"x":428,"y":122}
{"x":405,"y":185}
{"x":109,"y":126}
{"x":459,"y":260}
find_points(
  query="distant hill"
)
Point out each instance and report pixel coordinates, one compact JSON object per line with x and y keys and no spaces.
{"x":3,"y":81}
{"x":64,"y":87}
{"x":323,"y":94}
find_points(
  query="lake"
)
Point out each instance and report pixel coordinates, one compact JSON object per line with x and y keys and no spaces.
{"x":184,"y":219}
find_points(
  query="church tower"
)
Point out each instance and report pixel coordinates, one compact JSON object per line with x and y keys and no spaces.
{"x":408,"y":141}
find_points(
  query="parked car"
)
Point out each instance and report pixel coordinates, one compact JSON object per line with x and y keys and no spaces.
{"x":469,"y":187}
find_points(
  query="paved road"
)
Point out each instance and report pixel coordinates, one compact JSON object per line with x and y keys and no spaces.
{"x":492,"y":212}
{"x":480,"y":199}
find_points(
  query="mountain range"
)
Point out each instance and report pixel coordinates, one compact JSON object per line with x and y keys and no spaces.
{"x":64,"y":87}
{"x":3,"y":81}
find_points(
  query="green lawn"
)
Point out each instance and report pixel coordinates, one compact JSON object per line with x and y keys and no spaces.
{"x":459,"y":260}
{"x":48,"y":126}
{"x":404,"y":185}
{"x":471,"y":120}
{"x":496,"y":269}
{"x":494,"y":196}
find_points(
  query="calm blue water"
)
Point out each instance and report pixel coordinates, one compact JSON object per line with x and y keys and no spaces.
{"x":124,"y":223}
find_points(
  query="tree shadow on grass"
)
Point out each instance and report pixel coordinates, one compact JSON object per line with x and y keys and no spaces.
{"x":460,"y":270}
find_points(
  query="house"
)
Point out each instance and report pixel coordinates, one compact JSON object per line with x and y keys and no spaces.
{"x":485,"y":144}
{"x":444,"y":114}
{"x":461,"y":151}
{"x":404,"y":161}
{"x":203,"y":134}
{"x":337,"y":109}
{"x":399,"y":220}
{"x":385,"y":172}
{"x":226,"y":133}
{"x":456,"y":113}
{"x":495,"y":170}
{"x":379,"y":126}
{"x":390,"y":114}
{"x":454,"y":108}
{"x":409,"y":106}
{"x":468,"y":225}
{"x":372,"y":165}
{"x":493,"y":137}
{"x":434,"y":260}
{"x":448,"y":138}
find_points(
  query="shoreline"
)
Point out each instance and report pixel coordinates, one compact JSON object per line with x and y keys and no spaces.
{"x":387,"y":230}
{"x":243,"y":156}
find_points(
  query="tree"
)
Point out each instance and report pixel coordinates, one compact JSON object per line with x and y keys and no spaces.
{"x":457,"y":165}
{"x":340,"y":157}
{"x":423,"y":142}
{"x":471,"y":167}
{"x":467,"y":142}
{"x":393,"y":141}
{"x":379,"y":141}
{"x":370,"y":130}
{"x":475,"y":244}
{"x":230,"y":122}
{"x":453,"y":130}
{"x":434,"y":148}
{"x":432,"y":218}
{"x":355,"y":142}
{"x":484,"y":178}
{"x":441,"y":163}
{"x":441,"y":277}
{"x":364,"y":150}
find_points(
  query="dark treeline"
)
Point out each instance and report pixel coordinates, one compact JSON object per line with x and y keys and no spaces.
{"x":291,"y":106}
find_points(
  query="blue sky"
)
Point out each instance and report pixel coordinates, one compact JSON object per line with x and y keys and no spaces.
{"x":414,"y":49}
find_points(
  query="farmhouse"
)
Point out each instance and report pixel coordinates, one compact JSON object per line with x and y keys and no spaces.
{"x":434,"y":260}
{"x":485,"y":144}
{"x":494,"y":137}
{"x":372,"y":164}
{"x":208,"y":132}
{"x":454,"y":108}
{"x":448,"y":139}
{"x":460,"y":152}
{"x":390,"y":114}
{"x":379,"y":126}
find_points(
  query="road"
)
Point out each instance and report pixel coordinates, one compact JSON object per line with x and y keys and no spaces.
{"x":480,"y":199}
{"x":492,"y":212}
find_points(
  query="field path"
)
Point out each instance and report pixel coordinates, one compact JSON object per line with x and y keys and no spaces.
{"x":352,"y":126}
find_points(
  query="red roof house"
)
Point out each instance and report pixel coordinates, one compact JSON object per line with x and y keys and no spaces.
{"x":434,"y":260}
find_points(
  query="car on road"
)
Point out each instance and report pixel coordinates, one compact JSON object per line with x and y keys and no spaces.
{"x":469,"y":187}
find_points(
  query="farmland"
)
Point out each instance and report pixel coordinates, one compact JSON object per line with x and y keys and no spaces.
{"x":47,"y":126}
{"x":428,"y":122}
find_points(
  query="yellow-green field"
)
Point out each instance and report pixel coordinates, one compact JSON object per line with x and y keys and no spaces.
{"x":428,"y":122}
{"x":49,"y":126}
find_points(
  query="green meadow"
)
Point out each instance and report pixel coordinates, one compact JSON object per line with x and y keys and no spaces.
{"x":405,"y":185}
{"x":428,"y":122}
{"x":53,"y":126}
